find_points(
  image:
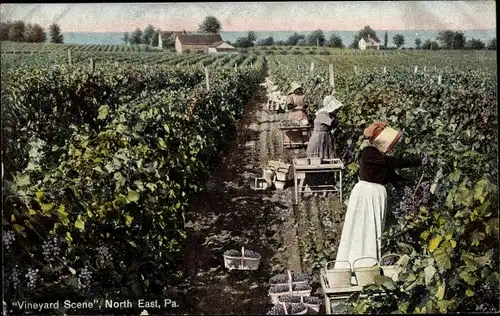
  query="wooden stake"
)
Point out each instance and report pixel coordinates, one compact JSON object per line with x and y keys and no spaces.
{"x":385,"y":69}
{"x":439,"y":79}
{"x":356,"y":70}
{"x":332,"y":79}
{"x":312,"y":67}
{"x":92,"y":64}
{"x":235,"y":67}
{"x":69,"y":57}
{"x":425,"y":68}
{"x":116,"y":64}
{"x":416,"y":69}
{"x":206,"y":79}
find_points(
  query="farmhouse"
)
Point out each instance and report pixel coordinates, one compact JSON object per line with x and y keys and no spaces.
{"x":368,"y":43}
{"x":221,"y":48}
{"x":196,"y":42}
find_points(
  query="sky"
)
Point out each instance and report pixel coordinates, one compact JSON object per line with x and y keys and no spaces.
{"x":259,"y":16}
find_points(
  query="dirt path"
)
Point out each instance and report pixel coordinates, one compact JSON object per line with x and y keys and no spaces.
{"x":229,"y":214}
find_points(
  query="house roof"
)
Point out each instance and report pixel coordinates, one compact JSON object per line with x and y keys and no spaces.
{"x":216,"y":44}
{"x":370,"y":40}
{"x":199,"y":39}
{"x":224,"y":46}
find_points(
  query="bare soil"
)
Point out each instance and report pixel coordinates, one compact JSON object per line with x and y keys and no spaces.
{"x":230,"y":214}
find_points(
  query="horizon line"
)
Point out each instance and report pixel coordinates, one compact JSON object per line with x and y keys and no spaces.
{"x":311,"y":30}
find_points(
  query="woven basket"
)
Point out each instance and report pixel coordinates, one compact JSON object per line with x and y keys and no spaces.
{"x":291,"y":292}
{"x":391,"y":271}
{"x":241,"y":263}
{"x":338,"y":277}
{"x":260,"y":184}
{"x":298,"y":313}
{"x":290,"y":278}
{"x":366,"y":275}
{"x":314,"y":307}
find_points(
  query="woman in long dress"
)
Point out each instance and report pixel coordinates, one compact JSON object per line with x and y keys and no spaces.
{"x":365,"y":216}
{"x":321,"y":141}
{"x":297,"y":107}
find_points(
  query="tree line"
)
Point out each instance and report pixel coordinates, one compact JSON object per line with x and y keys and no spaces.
{"x":19,"y":31}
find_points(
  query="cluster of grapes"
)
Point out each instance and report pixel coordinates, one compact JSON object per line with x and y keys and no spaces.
{"x":103,"y":253}
{"x":283,"y":278}
{"x":32,"y":277}
{"x":279,"y":309}
{"x":8,"y":238}
{"x":237,"y":253}
{"x":285,"y":288}
{"x":51,"y":249}
{"x":411,"y":201}
{"x":313,"y":300}
{"x":85,"y":278}
{"x":14,"y":277}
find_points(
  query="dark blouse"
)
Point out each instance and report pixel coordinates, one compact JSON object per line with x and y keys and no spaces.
{"x":379,"y":168}
{"x":324,"y":122}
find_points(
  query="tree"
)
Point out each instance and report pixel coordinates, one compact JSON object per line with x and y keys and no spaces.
{"x":154,"y":38}
{"x":418,"y":42}
{"x":35,"y":34}
{"x":4,"y":30}
{"x":302,"y":42}
{"x":451,"y":40}
{"x":147,"y":35}
{"x":243,"y":42}
{"x":335,"y":41}
{"x":316,"y":38}
{"x":126,"y":38}
{"x":493,"y":44}
{"x":251,"y":36}
{"x":386,"y":40}
{"x":475,"y":44}
{"x":293,"y":39}
{"x":367,"y":31}
{"x":266,"y":41}
{"x":16,"y":31}
{"x":136,"y":37}
{"x":399,"y":40}
{"x":432,"y":45}
{"x":55,"y":34}
{"x":210,"y":25}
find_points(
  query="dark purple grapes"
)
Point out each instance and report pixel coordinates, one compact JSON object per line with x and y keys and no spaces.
{"x":313,"y":300}
{"x":291,"y":308}
{"x":289,"y":299}
{"x":232,"y":253}
{"x":8,"y":238}
{"x":283,"y":277}
{"x":251,"y":254}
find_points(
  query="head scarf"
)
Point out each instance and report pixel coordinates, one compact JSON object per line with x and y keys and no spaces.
{"x":294,"y":86}
{"x":330,"y":104}
{"x":382,"y":136}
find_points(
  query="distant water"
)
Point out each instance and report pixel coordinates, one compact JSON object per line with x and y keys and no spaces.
{"x":112,"y":38}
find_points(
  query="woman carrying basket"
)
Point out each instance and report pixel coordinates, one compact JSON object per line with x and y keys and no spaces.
{"x":365,"y":216}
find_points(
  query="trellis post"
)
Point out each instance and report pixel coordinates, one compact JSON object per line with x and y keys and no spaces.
{"x":206,"y":79}
{"x":69,"y":57}
{"x":332,"y":79}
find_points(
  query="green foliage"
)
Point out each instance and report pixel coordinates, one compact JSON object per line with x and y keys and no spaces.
{"x":135,"y":150}
{"x":452,"y":241}
{"x":399,"y":40}
{"x":56,"y":35}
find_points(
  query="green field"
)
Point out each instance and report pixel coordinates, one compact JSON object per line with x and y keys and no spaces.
{"x":103,"y":167}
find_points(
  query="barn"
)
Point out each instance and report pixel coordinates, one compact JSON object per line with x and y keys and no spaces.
{"x":196,"y":42}
{"x":368,"y":43}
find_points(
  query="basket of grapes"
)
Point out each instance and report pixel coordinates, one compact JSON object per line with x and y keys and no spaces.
{"x":288,"y":309}
{"x":285,"y":278}
{"x":289,"y":123}
{"x":244,"y":260}
{"x":311,"y":302}
{"x":276,"y":291}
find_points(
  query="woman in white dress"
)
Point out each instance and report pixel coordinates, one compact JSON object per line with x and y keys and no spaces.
{"x":365,"y":216}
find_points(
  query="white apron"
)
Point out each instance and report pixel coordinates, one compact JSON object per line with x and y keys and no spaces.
{"x":363,"y":225}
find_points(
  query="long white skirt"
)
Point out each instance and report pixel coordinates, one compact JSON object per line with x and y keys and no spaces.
{"x":364,"y":221}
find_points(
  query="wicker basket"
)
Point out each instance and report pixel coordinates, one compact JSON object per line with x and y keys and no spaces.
{"x":275,"y":296}
{"x":391,"y":271}
{"x":366,"y":275}
{"x":290,"y":278}
{"x":314,"y":307}
{"x":260,"y":184}
{"x":241,"y":263}
{"x":301,"y":161}
{"x":298,"y":313}
{"x":338,"y":277}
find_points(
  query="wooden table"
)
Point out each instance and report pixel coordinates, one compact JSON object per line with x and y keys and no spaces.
{"x":299,"y":173}
{"x":338,"y":294}
{"x":290,"y":144}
